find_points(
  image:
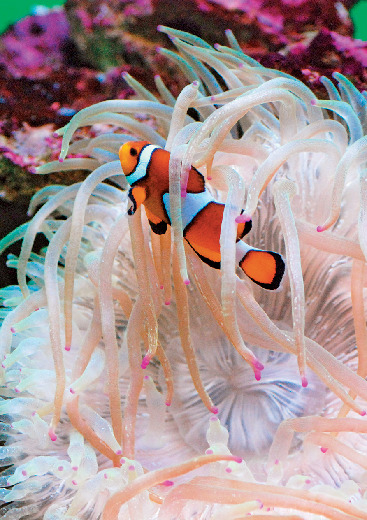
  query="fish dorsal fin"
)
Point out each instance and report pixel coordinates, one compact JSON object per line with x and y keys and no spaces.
{"x":196,"y":182}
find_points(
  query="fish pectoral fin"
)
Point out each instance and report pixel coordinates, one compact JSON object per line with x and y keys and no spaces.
{"x":208,"y":256}
{"x":137,"y":196}
{"x":265,"y":268}
{"x":158,"y":226}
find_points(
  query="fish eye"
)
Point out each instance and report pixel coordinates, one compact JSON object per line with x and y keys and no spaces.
{"x":133,"y":152}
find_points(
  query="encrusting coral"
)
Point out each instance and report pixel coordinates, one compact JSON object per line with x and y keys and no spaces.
{"x":113,"y":384}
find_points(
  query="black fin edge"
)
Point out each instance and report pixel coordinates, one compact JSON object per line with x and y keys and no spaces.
{"x":279,"y":272}
{"x":211,"y":263}
{"x":160,"y":228}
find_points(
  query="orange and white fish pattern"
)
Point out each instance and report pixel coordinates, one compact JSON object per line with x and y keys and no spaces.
{"x":146,"y":168}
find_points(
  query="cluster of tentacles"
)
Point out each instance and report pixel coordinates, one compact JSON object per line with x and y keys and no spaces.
{"x":113,"y":364}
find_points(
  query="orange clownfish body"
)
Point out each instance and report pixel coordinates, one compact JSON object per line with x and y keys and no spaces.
{"x":146,"y":168}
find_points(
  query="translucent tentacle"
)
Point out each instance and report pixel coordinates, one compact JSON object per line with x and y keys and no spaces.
{"x":276,"y":159}
{"x":184,"y":101}
{"x":121,"y":105}
{"x":346,"y":112}
{"x":155,"y":477}
{"x":145,"y":288}
{"x":164,"y":92}
{"x":354,"y":156}
{"x":81,"y":200}
{"x":184,"y":330}
{"x":283,"y":191}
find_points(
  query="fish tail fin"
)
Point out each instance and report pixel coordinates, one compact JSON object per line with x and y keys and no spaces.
{"x":265,"y":268}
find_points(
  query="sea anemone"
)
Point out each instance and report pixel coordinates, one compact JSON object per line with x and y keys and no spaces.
{"x":123,"y":398}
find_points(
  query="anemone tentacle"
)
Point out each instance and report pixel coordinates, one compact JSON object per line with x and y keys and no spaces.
{"x":150,"y":359}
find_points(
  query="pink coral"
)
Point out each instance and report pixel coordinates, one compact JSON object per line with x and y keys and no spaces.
{"x":33,"y":47}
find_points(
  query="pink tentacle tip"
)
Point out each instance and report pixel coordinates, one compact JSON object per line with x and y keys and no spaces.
{"x":239,"y":460}
{"x":257,"y":375}
{"x":167,"y":302}
{"x":131,"y":468}
{"x":167,"y":483}
{"x":313,"y":102}
{"x":67,"y":348}
{"x":74,"y":482}
{"x":183,"y":194}
{"x":362,"y":413}
{"x":228,"y":470}
{"x":105,"y":475}
{"x":60,"y":468}
{"x":320,"y":229}
{"x":242,"y":219}
{"x":168,"y":403}
{"x":145,"y":362}
{"x":187,"y":281}
{"x":209,"y":452}
{"x":16,"y":390}
{"x":119,"y":452}
{"x":261,"y":505}
{"x":12,"y":329}
{"x":61,"y":159}
{"x":75,"y":468}
{"x":324,"y":450}
{"x":304,"y":381}
{"x":161,"y":286}
{"x":52,"y":435}
{"x":276,"y":462}
{"x":2,"y":365}
{"x":214,"y":410}
{"x":71,"y":390}
{"x":209,"y":178}
{"x":55,"y":134}
{"x":258,"y":365}
{"x":24,"y":473}
{"x":195,"y":83}
{"x":146,"y":378}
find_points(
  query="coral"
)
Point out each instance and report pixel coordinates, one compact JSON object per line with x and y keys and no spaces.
{"x":103,"y":414}
{"x":33,"y":47}
{"x":108,"y":32}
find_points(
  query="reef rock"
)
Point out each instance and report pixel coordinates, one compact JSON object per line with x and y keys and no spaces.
{"x":115,"y":31}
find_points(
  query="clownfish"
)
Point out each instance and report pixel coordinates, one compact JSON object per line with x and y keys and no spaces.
{"x":146,"y":168}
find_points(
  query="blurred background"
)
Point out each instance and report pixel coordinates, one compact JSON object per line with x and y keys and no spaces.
{"x":21,"y":8}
